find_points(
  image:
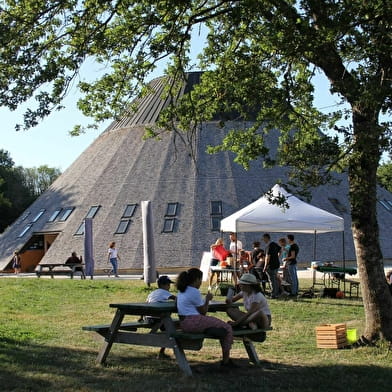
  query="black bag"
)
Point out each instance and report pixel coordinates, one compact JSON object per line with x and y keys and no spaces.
{"x":329,"y":292}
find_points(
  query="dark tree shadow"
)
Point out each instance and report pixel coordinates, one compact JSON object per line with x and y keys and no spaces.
{"x":31,"y":367}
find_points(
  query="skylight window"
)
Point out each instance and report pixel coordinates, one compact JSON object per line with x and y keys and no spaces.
{"x":66,"y":213}
{"x":25,"y":216}
{"x":80,"y":229}
{"x":123,"y":226}
{"x":216,"y":207}
{"x":386,"y":205}
{"x":90,"y":215}
{"x":171,"y":209}
{"x":55,"y":214}
{"x":129,"y":211}
{"x":93,"y":211}
{"x":25,"y":230}
{"x":38,"y":215}
{"x":216,"y":214}
{"x":170,"y":217}
{"x":168,"y":226}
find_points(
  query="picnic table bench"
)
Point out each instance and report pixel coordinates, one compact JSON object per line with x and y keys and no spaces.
{"x":334,"y":276}
{"x":171,"y":337}
{"x":60,"y":269}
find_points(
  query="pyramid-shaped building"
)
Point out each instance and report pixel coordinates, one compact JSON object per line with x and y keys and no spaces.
{"x":190,"y":193}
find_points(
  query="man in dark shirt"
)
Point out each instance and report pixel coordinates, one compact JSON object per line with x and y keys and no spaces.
{"x":74,"y":259}
{"x":291,"y":262}
{"x":272,"y":264}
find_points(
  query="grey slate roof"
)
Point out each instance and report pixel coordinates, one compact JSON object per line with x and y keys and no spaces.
{"x":121,"y":168}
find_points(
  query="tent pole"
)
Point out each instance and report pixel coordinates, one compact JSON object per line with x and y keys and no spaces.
{"x":314,"y":245}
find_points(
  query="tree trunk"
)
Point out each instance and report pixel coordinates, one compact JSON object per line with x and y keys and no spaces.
{"x":363,"y":165}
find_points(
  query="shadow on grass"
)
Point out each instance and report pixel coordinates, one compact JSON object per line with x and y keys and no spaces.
{"x":333,"y":302}
{"x":30,"y":367}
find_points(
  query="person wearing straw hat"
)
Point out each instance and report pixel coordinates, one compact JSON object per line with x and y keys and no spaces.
{"x":258,"y":314}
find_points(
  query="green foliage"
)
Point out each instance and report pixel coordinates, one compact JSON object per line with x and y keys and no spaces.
{"x":39,"y":179}
{"x":14,"y":195}
{"x":261,"y":58}
{"x":19,"y":187}
{"x":384,"y":175}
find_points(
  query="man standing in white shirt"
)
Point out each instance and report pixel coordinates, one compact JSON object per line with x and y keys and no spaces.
{"x":235,"y":245}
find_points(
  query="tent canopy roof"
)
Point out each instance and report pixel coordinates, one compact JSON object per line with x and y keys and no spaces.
{"x":300,"y":217}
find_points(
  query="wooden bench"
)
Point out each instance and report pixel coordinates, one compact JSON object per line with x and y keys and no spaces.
{"x":104,"y":329}
{"x":188,"y":340}
{"x":194,"y":341}
{"x":353,"y":284}
{"x":60,"y":269}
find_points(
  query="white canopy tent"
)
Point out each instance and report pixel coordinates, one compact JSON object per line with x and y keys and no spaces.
{"x":300,"y":217}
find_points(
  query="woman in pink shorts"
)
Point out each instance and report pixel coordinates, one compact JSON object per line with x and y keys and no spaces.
{"x":192,"y":309}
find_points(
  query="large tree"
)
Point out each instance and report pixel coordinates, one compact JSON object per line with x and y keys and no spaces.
{"x":260,"y":56}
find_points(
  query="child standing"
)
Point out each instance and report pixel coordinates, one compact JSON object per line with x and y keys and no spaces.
{"x":192,"y":311}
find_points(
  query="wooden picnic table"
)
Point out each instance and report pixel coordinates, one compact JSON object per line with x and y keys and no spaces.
{"x":333,"y":276}
{"x":60,"y":269}
{"x":129,"y":333}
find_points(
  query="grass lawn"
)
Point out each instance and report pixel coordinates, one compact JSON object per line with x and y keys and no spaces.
{"x":43,"y":348}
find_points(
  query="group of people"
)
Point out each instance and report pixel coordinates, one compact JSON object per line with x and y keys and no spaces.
{"x":264,"y":263}
{"x":192,"y":309}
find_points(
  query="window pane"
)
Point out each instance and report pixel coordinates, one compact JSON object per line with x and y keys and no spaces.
{"x":168,"y":226}
{"x":215,"y":223}
{"x":123,"y":226}
{"x":216,"y":208}
{"x":55,"y":214}
{"x":171,"y":209}
{"x":38,"y":215}
{"x":67,"y":212}
{"x":93,"y":210}
{"x":129,"y":210}
{"x":25,"y":216}
{"x":25,"y":230}
{"x":385,"y":205}
{"x":80,"y":230}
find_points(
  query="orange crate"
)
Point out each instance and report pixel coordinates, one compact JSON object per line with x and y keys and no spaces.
{"x":331,"y":336}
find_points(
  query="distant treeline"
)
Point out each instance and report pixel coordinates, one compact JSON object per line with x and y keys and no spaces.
{"x":20,"y":186}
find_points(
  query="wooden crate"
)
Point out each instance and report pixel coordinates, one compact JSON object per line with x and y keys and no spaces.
{"x":331,"y":336}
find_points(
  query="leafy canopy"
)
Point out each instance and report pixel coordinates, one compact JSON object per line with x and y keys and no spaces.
{"x":260,"y":57}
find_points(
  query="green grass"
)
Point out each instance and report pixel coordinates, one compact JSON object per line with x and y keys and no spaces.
{"x":43,"y":348}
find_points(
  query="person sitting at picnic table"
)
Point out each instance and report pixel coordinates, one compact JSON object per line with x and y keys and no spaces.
{"x":161,"y":294}
{"x":258,"y":314}
{"x":192,"y":309}
{"x":74,"y":259}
